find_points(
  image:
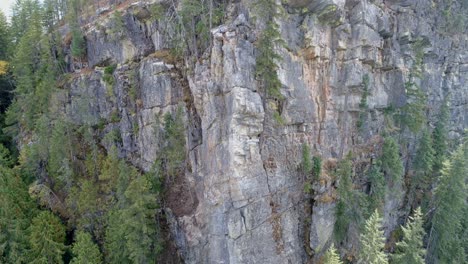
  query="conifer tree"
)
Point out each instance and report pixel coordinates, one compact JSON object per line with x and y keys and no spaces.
{"x":47,"y":239}
{"x":391,"y":162}
{"x":78,"y":48}
{"x":78,"y":44}
{"x":87,"y":204}
{"x":413,"y":113}
{"x":85,"y":251}
{"x":5,"y":159}
{"x":439,"y":137}
{"x":316,"y":167}
{"x":110,"y":171}
{"x":115,"y":244}
{"x":60,"y":149}
{"x":174,"y":152}
{"x":126,"y":174}
{"x":306,"y":167}
{"x":25,"y":66}
{"x":377,"y":186}
{"x":134,"y":219}
{"x":411,"y":249}
{"x":331,"y":256}
{"x":16,"y":212}
{"x":24,"y":15}
{"x":139,"y":220}
{"x":5,"y":84}
{"x":445,"y":239}
{"x":373,"y":241}
{"x":306,"y":159}
{"x":464,"y":227}
{"x":423,"y":161}
{"x":350,"y":208}
{"x":4,"y":37}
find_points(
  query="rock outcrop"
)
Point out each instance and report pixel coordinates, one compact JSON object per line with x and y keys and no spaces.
{"x":247,"y":201}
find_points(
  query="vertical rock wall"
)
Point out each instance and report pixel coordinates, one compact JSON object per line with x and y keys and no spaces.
{"x":246,"y":202}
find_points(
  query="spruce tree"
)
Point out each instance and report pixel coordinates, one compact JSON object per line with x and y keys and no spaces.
{"x":306,"y":159}
{"x":78,"y":44}
{"x":78,"y":48}
{"x":174,"y":152}
{"x":306,"y":167}
{"x":87,"y":204}
{"x":4,"y":38}
{"x":23,"y":13}
{"x":331,"y":256}
{"x":391,"y":162}
{"x":47,"y":239}
{"x":377,"y":186}
{"x":445,"y":239}
{"x":16,"y":212}
{"x":110,"y":171}
{"x":464,"y":234}
{"x":423,"y":161}
{"x":126,"y":174}
{"x":422,"y":179}
{"x":316,"y":167}
{"x":25,"y":66}
{"x":411,"y":249}
{"x":373,"y":241}
{"x":413,"y":113}
{"x":5,"y":82}
{"x":439,"y":138}
{"x":60,"y":149}
{"x":351,"y":205}
{"x":85,"y":251}
{"x":133,"y":218}
{"x":139,"y":221}
{"x":5,"y":159}
{"x":115,"y":244}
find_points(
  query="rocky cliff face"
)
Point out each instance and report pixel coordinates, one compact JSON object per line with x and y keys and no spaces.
{"x":241,"y":199}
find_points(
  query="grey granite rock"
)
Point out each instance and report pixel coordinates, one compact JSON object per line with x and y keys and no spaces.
{"x":244,"y":167}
